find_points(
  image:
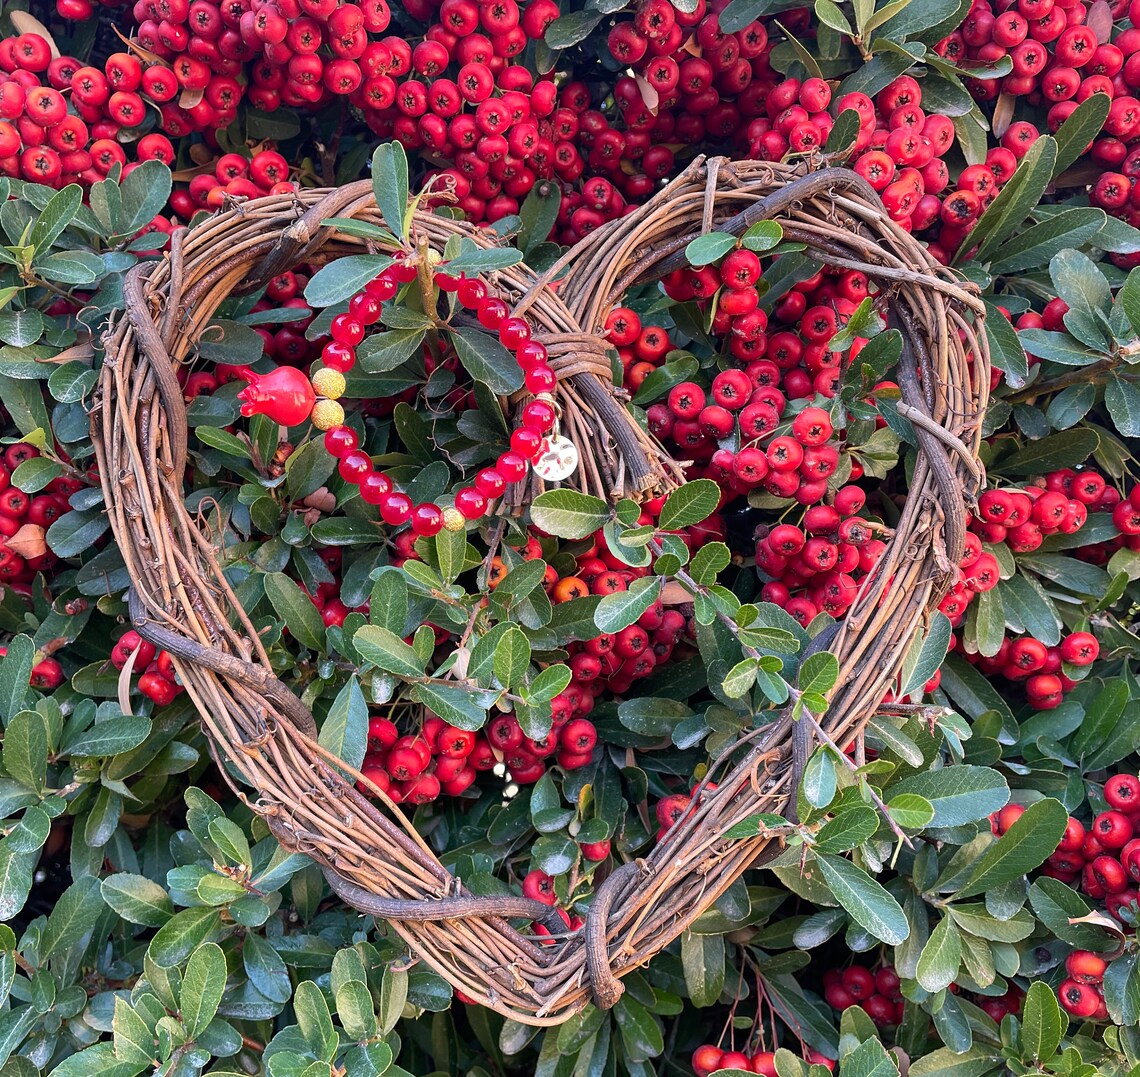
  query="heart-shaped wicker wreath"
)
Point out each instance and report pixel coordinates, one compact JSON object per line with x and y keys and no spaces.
{"x":181,"y":601}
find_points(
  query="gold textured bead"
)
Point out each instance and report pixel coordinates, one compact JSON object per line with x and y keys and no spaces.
{"x":327,"y":414}
{"x":453,"y":519}
{"x":329,"y":383}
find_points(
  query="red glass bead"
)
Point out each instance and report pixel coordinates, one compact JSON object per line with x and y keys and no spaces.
{"x":396,"y":508}
{"x":526,"y":442}
{"x":539,"y":415}
{"x":491,"y":313}
{"x":470,"y":503}
{"x":447,"y":283}
{"x":365,"y":307}
{"x":541,"y":379}
{"x":340,"y":440}
{"x":490,"y":482}
{"x":427,"y":520}
{"x":339,"y":356}
{"x":354,"y":466}
{"x":346,"y":329}
{"x":513,"y":333}
{"x":383,"y":287}
{"x":374,"y":487}
{"x":511,"y":466}
{"x":471,"y":293}
{"x":531,"y":354}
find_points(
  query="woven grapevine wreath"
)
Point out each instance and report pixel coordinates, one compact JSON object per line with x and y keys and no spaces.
{"x":257,"y":729}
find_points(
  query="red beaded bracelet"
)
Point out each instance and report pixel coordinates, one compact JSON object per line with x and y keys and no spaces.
{"x":290,"y":399}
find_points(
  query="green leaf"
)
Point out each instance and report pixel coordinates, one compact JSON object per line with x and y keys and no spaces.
{"x":72,"y":916}
{"x":390,"y":184}
{"x":296,"y":609}
{"x":181,"y":934}
{"x":203,"y":985}
{"x":938,"y":963}
{"x":568,"y":514}
{"x":571,"y":28}
{"x":739,"y":680}
{"x":539,"y":213}
{"x":703,"y":959}
{"x":959,"y":794}
{"x":852,"y":826}
{"x":868,"y":904}
{"x":927,"y":653}
{"x":818,"y":673}
{"x":343,"y":278}
{"x":315,"y":1022}
{"x":145,"y":192}
{"x":690,"y":504}
{"x":820,"y":780}
{"x":1016,"y":199}
{"x":1006,"y":350}
{"x":622,"y":608}
{"x":25,"y":749}
{"x":870,"y":1059}
{"x":112,"y":736}
{"x":709,"y":248}
{"x":15,"y":669}
{"x":1067,"y":449}
{"x":1042,"y":1024}
{"x":1075,"y":134}
{"x":911,"y":811}
{"x":512,"y":657}
{"x":56,"y":216}
{"x":1037,"y":244}
{"x":975,"y":1062}
{"x":381,"y":352}
{"x":134,"y":1042}
{"x":384,"y":649}
{"x":344,"y":732}
{"x":843,"y":134}
{"x":1024,"y":846}
{"x":764,"y":235}
{"x":1122,"y":398}
{"x":454,"y":704}
{"x":486,"y":360}
{"x":474,"y":260}
{"x":137,"y":899}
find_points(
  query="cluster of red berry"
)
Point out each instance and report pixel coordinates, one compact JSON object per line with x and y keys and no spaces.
{"x":18,"y":564}
{"x":708,"y":1058}
{"x":1104,"y":859}
{"x":157,"y":680}
{"x":612,"y":662}
{"x":416,"y":768}
{"x":1060,"y":57}
{"x":899,"y":150}
{"x":876,"y":991}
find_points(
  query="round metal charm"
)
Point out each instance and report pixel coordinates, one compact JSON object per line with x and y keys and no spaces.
{"x":559,"y":461}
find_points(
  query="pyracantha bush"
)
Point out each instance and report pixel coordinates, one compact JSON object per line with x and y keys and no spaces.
{"x":543,"y":693}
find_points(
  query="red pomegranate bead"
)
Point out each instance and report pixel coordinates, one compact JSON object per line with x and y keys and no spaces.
{"x":285,"y":395}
